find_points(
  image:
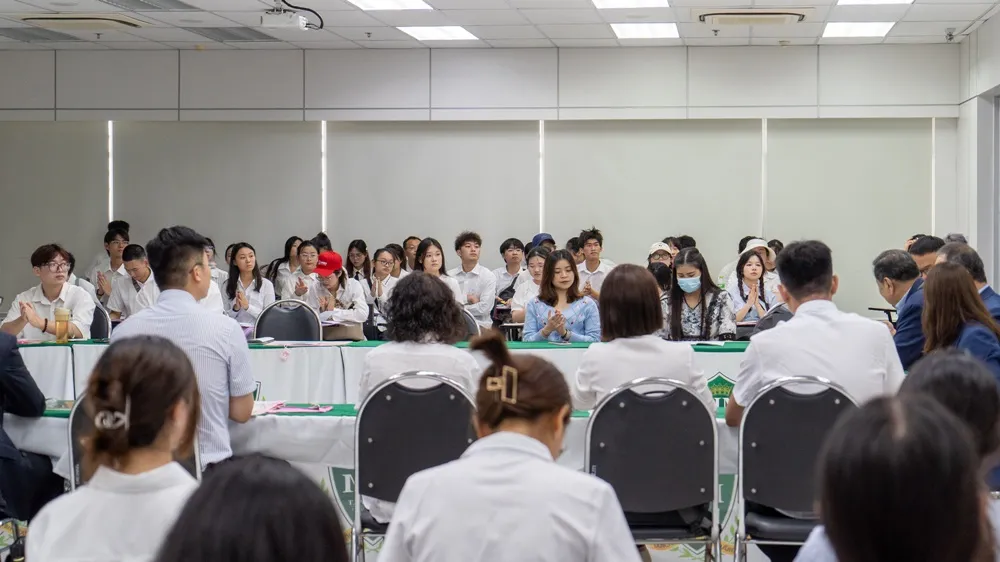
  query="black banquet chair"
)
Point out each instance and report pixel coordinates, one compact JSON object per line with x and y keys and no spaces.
{"x":288,"y":320}
{"x":81,"y":426}
{"x":655,"y":441}
{"x":100,"y":327}
{"x":781,"y":435}
{"x":471,"y":326}
{"x":404,"y":426}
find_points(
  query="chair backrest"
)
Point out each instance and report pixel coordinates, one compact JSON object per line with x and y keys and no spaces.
{"x":401,"y":429}
{"x":657,"y":449}
{"x":81,"y":426}
{"x":100,"y":327}
{"x":781,"y":435}
{"x":471,"y":326}
{"x":288,"y":320}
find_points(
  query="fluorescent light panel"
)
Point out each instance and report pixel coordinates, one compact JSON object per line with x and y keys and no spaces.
{"x":871,"y":2}
{"x":372,"y":5}
{"x":858,"y":29}
{"x":625,"y":4}
{"x":442,"y":33}
{"x":645,"y":30}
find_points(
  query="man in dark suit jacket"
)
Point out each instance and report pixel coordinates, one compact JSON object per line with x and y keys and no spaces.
{"x":965,"y":256}
{"x":26,"y":479}
{"x":900,"y":284}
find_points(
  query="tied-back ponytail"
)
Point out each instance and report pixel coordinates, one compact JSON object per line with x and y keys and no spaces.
{"x":523,"y":388}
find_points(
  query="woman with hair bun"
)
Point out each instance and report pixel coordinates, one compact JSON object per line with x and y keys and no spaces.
{"x":506,"y":498}
{"x":143,"y":398}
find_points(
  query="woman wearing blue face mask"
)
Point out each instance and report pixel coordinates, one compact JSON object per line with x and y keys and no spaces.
{"x":696,"y":308}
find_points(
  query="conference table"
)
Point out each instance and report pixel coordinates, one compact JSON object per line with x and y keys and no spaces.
{"x":329,"y":372}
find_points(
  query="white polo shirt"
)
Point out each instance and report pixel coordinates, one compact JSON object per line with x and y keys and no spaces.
{"x":820,"y":340}
{"x":596,"y":278}
{"x":125,"y":297}
{"x":481,"y":282}
{"x":74,"y":298}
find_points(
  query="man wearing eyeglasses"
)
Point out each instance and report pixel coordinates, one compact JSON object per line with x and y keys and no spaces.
{"x":32,"y":314}
{"x":103,"y":276}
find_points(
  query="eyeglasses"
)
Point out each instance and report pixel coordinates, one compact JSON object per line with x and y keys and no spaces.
{"x":56,"y":266}
{"x":387,"y":263}
{"x":118,"y":242}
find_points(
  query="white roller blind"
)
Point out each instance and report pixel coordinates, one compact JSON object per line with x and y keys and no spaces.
{"x":53,"y":188}
{"x":387,"y":181}
{"x":860,"y":185}
{"x":253,"y":182}
{"x":640,"y":181}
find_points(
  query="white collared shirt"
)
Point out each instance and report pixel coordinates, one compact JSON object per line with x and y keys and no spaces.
{"x":74,"y":298}
{"x":506,"y":499}
{"x":504,"y":278}
{"x":608,"y":365}
{"x":284,"y":271}
{"x":771,"y":282}
{"x":288,"y":290}
{"x":257,"y":299}
{"x":481,"y":282}
{"x":387,"y":285}
{"x":596,"y":278}
{"x":352,"y":307}
{"x":124,"y":296}
{"x":218,"y":351}
{"x":821,"y":341}
{"x":523,"y":294}
{"x":116,"y":516}
{"x":150,"y":293}
{"x":110,"y":276}
{"x":85,"y":285}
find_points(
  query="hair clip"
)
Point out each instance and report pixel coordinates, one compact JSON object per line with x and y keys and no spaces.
{"x":108,"y":420}
{"x":505,"y":384}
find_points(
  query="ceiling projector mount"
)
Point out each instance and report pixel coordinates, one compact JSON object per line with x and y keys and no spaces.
{"x":279,"y":17}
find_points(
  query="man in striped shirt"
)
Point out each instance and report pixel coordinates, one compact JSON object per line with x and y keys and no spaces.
{"x":214,"y":343}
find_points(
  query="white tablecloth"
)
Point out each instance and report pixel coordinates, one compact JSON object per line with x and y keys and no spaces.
{"x":52,"y":368}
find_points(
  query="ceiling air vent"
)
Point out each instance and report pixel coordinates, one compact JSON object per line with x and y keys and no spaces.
{"x":783,"y":16}
{"x":232,"y":34}
{"x":84,"y":22}
{"x":31,"y":34}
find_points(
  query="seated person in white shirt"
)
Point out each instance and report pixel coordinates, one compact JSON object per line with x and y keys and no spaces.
{"x":115,"y":241}
{"x":125,"y":291}
{"x":81,"y":282}
{"x":338,"y":298}
{"x":506,"y":498}
{"x":219,"y":276}
{"x":143,"y":396}
{"x":630,"y":317}
{"x":281,"y":268}
{"x":730,"y":267}
{"x":478,"y":284}
{"x":32,"y":313}
{"x":430,"y":260}
{"x":510,"y":276}
{"x":410,"y":246}
{"x":247,"y":292}
{"x":751,"y":298}
{"x":229,"y":254}
{"x":359,"y":264}
{"x":322,"y":242}
{"x":102,"y":261}
{"x":529,"y":290}
{"x":573,"y":245}
{"x":759,"y":247}
{"x":593,"y":270}
{"x":298,"y":283}
{"x":382,"y":285}
{"x":400,"y":268}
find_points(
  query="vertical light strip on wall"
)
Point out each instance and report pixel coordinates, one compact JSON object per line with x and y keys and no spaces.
{"x":322,"y":175}
{"x":933,"y":176}
{"x":111,"y":171}
{"x":541,"y":176}
{"x":763,"y":175}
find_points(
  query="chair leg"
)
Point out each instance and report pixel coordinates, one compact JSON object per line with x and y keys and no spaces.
{"x":709,"y":552}
{"x":740,"y":553}
{"x":359,"y":552}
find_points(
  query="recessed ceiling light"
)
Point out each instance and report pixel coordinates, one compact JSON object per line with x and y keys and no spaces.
{"x":371,"y":5}
{"x":645,"y":30}
{"x":620,"y":4}
{"x":858,"y":29}
{"x":871,"y":2}
{"x":441,"y":33}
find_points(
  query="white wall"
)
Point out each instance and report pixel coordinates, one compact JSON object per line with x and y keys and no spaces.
{"x":483,"y":84}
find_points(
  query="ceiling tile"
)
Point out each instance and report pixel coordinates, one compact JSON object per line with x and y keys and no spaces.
{"x":585,"y":43}
{"x":411,"y":44}
{"x":166,"y":34}
{"x":105,"y":36}
{"x":913,"y":40}
{"x":597,"y":31}
{"x":21,"y":46}
{"x":788,"y":31}
{"x":850,"y":40}
{"x":881,"y":12}
{"x":915,"y":2}
{"x":520,"y":43}
{"x":262,"y":45}
{"x":72,"y":6}
{"x":136,"y":45}
{"x":247,"y":18}
{"x":562,"y":16}
{"x":297,"y":35}
{"x":506,"y":32}
{"x":650,"y":42}
{"x":13,"y":7}
{"x":203,"y":45}
{"x":485,"y":17}
{"x":335,"y":5}
{"x":73,"y":46}
{"x":556,"y":4}
{"x":11,"y":23}
{"x":411,"y":18}
{"x":918,"y":28}
{"x":794,"y":3}
{"x":370,"y":33}
{"x":462,"y":44}
{"x":468,"y":4}
{"x":946,"y":12}
{"x":187,"y":19}
{"x":716,"y":41}
{"x":344,"y":18}
{"x":703,"y":30}
{"x":643,"y":15}
{"x":709,"y":4}
{"x":327,"y":45}
{"x":229,"y":5}
{"x":772,"y":42}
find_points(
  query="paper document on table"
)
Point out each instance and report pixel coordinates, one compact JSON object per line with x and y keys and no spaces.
{"x":263,"y":408}
{"x":264,"y":339}
{"x":715,"y":343}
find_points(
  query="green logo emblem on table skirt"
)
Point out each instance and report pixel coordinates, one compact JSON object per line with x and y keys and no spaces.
{"x":721,"y":387}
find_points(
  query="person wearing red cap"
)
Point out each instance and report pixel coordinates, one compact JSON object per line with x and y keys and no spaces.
{"x":337,"y":297}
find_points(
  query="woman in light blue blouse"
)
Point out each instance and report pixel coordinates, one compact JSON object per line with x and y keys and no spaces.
{"x":560,"y":313}
{"x":751,"y":300}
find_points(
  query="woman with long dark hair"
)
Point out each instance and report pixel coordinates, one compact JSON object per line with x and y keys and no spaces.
{"x":430,"y":260}
{"x":298,"y":283}
{"x":399,"y":269}
{"x":751,"y":299}
{"x":247,"y":293}
{"x":279,"y":270}
{"x":359,"y":263}
{"x":560,"y":313}
{"x":696,"y":308}
{"x":955,"y":316}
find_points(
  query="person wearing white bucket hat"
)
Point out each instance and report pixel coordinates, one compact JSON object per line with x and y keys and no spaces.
{"x":761,"y":248}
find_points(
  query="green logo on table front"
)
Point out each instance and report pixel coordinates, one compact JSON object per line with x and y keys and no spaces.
{"x":343,"y":487}
{"x":721,"y":388}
